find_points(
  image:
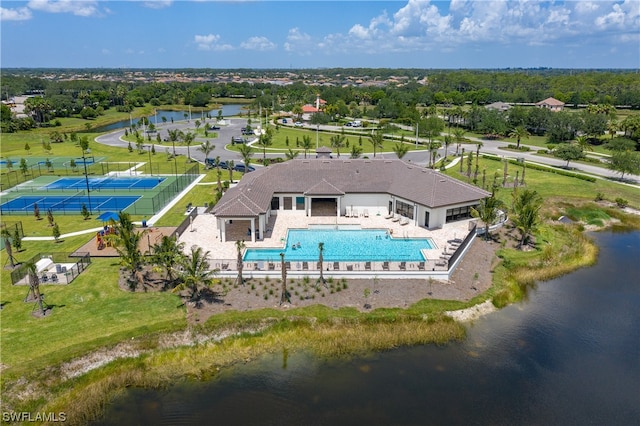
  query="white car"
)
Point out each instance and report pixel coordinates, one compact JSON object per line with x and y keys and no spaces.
{"x":298,"y":124}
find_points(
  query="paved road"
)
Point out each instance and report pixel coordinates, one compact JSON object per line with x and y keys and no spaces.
{"x":233,"y":128}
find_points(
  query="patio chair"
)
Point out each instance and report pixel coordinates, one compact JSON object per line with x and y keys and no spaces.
{"x":385,"y":266}
{"x":367,"y":266}
{"x":305,"y":266}
{"x":347,"y":212}
{"x":336,"y":266}
{"x":396,"y":218}
{"x":403,"y":266}
{"x":389,"y":216}
{"x":404,"y":221}
{"x":318,"y":266}
{"x":256,"y":267}
{"x":287,"y":265}
{"x":354,"y":213}
{"x":272,"y":267}
{"x":349,"y":267}
{"x":225,"y":266}
{"x":366,"y":213}
{"x":54,"y":278}
{"x":421,"y":266}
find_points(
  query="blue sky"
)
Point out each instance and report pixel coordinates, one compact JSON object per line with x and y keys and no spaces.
{"x":315,"y":34}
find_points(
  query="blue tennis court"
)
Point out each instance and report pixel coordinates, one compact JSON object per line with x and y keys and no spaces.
{"x":24,"y":204}
{"x":109,"y":182}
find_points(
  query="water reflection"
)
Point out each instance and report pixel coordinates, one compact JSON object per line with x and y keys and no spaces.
{"x":229,"y":110}
{"x":570,"y":354}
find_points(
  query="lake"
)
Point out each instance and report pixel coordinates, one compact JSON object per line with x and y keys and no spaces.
{"x":569,"y":354}
{"x":228,"y":110}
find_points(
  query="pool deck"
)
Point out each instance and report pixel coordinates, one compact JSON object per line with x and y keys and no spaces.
{"x":204,"y":233}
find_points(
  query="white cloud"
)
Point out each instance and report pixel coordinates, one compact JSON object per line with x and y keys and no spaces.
{"x":106,"y":52}
{"x":157,"y":4}
{"x":258,"y":43}
{"x":210,"y":42}
{"x":19,"y":14}
{"x":422,"y":25}
{"x":78,"y":8}
{"x":298,"y":41}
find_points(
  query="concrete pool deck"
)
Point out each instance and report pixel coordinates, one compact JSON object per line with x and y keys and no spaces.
{"x":204,"y":233}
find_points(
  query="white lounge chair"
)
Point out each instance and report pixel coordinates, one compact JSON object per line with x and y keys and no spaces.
{"x":366,"y":213}
{"x":396,"y":218}
{"x":389,"y":216}
{"x":404,"y":221}
{"x":354,"y":213}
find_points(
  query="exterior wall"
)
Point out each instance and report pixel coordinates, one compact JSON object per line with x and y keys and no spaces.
{"x":375,"y":203}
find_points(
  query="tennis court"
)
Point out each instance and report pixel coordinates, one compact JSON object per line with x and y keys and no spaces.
{"x":57,"y":203}
{"x":109,"y":182}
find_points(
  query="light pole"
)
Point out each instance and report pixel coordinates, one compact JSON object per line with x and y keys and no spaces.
{"x":150,"y":167}
{"x":86,"y":180}
{"x":317,"y":135}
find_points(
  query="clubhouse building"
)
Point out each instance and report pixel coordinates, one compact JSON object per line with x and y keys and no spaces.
{"x":323,"y":186}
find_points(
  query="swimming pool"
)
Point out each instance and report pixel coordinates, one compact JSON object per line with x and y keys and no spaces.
{"x":355,"y":245}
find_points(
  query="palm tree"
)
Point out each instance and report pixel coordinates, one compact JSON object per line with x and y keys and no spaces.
{"x":230,"y":165}
{"x":487,"y":212}
{"x":265,"y":140}
{"x":34,"y":286}
{"x":239,"y":263}
{"x":447,"y":142}
{"x":166,"y":255}
{"x":246,"y":152}
{"x":196,"y":273}
{"x":519,"y":133}
{"x":6,"y":236}
{"x":400,"y":150}
{"x":174,"y":136}
{"x":320,"y":263}
{"x":291,"y":154}
{"x":283,"y":296}
{"x":376,"y":139}
{"x":337,"y":142}
{"x":306,"y":144}
{"x":126,"y":242}
{"x":188,"y":139}
{"x":526,"y":208}
{"x":458,"y":134}
{"x":356,"y":151}
{"x":206,"y":148}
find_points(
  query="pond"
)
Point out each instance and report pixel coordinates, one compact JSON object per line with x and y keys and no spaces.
{"x":228,"y":110}
{"x":568,"y":354}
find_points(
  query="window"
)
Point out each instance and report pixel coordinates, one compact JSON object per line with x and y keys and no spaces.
{"x":275,"y":203}
{"x":299,"y":203}
{"x":404,"y":209}
{"x":459,"y":213}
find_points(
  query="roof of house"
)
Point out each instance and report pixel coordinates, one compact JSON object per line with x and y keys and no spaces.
{"x":309,"y":108}
{"x":551,"y":101}
{"x":325,"y":177}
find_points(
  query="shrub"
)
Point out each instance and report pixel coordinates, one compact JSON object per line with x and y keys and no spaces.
{"x":621,"y":202}
{"x":599,"y":196}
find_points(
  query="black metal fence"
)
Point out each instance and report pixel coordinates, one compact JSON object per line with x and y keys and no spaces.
{"x":461,"y":249}
{"x":16,"y":176}
{"x":146,"y":205}
{"x":185,"y":223}
{"x":64,"y":274}
{"x":11,"y":228}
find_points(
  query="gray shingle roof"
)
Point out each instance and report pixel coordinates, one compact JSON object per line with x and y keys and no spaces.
{"x":338,"y":177}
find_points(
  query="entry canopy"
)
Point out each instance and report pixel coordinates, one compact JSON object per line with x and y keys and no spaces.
{"x":108,"y":216}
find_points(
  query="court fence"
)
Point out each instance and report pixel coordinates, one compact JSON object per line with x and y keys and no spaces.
{"x":15,"y":176}
{"x":52,"y":268}
{"x":145,"y":205}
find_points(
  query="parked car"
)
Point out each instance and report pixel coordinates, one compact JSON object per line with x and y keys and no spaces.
{"x":349,"y":124}
{"x":247,"y":131}
{"x":240,"y":168}
{"x":214,"y":128}
{"x":211,"y":163}
{"x":238,"y":139}
{"x":284,"y":121}
{"x":298,"y":124}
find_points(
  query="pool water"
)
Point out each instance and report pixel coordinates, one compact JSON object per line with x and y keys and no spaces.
{"x":361,"y":245}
